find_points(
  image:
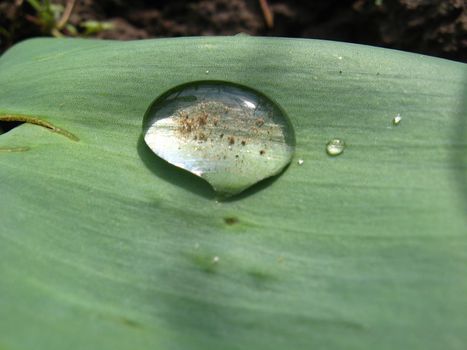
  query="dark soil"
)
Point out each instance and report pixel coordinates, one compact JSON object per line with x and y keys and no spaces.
{"x":433,"y":27}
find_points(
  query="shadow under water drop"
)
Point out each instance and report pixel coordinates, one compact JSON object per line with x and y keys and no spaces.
{"x":190,"y":182}
{"x":258,"y":187}
{"x":172,"y":174}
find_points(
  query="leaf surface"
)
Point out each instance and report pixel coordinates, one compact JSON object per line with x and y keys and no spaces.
{"x":105,"y":246}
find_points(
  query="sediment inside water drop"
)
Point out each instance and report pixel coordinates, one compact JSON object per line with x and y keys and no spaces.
{"x":229,"y":135}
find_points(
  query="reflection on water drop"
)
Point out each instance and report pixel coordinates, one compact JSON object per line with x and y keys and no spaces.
{"x":300,"y":161}
{"x":215,"y":260}
{"x":229,"y":135}
{"x":207,"y":72}
{"x":335,"y":147}
{"x":397,"y":119}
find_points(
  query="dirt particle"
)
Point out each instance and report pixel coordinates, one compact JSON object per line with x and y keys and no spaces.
{"x":261,"y":277}
{"x":202,"y":136}
{"x":262,"y":152}
{"x":202,"y":119}
{"x":221,"y":135}
{"x":130,"y":323}
{"x":231,"y":220}
{"x":185,"y":124}
{"x":231,"y":140}
{"x":259,"y":122}
{"x":243,"y":143}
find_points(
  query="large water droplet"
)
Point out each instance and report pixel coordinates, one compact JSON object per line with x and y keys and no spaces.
{"x":335,"y":147}
{"x":229,"y":135}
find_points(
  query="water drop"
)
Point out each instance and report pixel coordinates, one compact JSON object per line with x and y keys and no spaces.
{"x":229,"y":135}
{"x":335,"y":147}
{"x":300,"y":161}
{"x":207,"y":72}
{"x":215,"y":260}
{"x":397,"y":119}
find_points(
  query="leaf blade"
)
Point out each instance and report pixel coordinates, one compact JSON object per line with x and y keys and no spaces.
{"x":338,"y":253}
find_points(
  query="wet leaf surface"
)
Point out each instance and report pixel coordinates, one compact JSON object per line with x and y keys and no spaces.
{"x":104,"y":245}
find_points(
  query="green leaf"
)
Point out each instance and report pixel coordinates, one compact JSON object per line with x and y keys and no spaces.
{"x":105,"y":246}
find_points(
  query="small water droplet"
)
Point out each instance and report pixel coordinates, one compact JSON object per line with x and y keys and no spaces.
{"x":335,"y":147}
{"x":207,"y":72}
{"x":229,"y":135}
{"x":215,"y":259}
{"x":397,"y":119}
{"x":300,"y":161}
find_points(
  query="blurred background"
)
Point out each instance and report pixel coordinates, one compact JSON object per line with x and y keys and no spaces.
{"x":433,"y":27}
